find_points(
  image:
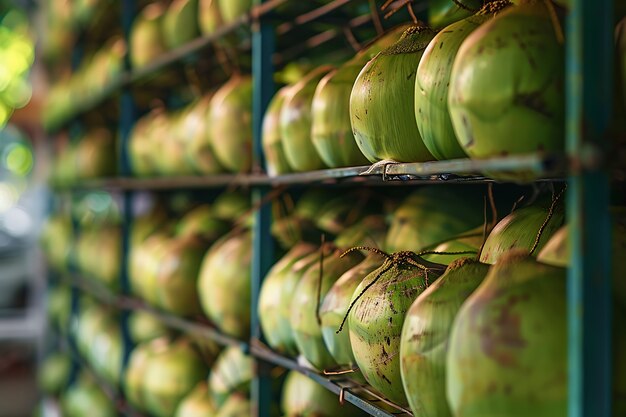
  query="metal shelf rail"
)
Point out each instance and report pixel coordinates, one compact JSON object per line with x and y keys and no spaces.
{"x":589,"y":84}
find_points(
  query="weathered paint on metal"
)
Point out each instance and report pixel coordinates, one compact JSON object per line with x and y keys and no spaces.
{"x":588,"y":97}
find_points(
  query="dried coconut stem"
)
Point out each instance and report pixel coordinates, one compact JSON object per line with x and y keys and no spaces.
{"x":546,"y":221}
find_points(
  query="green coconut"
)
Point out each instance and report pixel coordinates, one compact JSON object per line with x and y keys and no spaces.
{"x":95,"y":155}
{"x":369,"y":231}
{"x":180,"y":23}
{"x":236,"y":405}
{"x":376,"y":315}
{"x":464,"y":245}
{"x":139,"y":147}
{"x":277,"y":329}
{"x":197,"y":138}
{"x":388,"y":82}
{"x":54,"y":373}
{"x":512,"y":329}
{"x":275,"y":159}
{"x":56,"y":240}
{"x":433,"y":79}
{"x":289,"y":282}
{"x":441,"y":13}
{"x":331,"y":130}
{"x":506,"y":86}
{"x":178,"y":274}
{"x":345,"y":210}
{"x":146,"y":38}
{"x":144,"y":266}
{"x":224,"y":284}
{"x":425,"y":334}
{"x":306,"y":302}
{"x":209,"y":16}
{"x":231,"y":205}
{"x":197,"y":403}
{"x":519,"y":230}
{"x":106,"y":352}
{"x":295,"y":122}
{"x":230,"y":124}
{"x":232,"y":372}
{"x":169,"y":376}
{"x":138,"y":361}
{"x":85,"y":398}
{"x":335,"y":306}
{"x":303,"y":397}
{"x":144,"y":327}
{"x":232,"y":10}
{"x":59,"y":302}
{"x":557,"y":250}
{"x":201,"y":222}
{"x":432,"y":215}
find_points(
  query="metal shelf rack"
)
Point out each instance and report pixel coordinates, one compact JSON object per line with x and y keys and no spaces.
{"x":589,"y":83}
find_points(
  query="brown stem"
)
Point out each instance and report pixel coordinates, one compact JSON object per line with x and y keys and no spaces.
{"x":547,"y":220}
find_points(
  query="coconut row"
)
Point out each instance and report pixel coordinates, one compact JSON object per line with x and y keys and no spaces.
{"x":437,"y":317}
{"x":432,"y":94}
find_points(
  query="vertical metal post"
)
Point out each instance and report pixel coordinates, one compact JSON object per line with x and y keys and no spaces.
{"x":262,"y":245}
{"x":589,"y":98}
{"x":127,"y":119}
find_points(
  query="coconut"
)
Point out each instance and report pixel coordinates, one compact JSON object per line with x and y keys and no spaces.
{"x":146,"y":41}
{"x":201,"y":222}
{"x":512,"y":328}
{"x":144,"y":327}
{"x":230,"y":123}
{"x":85,"y":398}
{"x":198,"y":144}
{"x":425,"y":334}
{"x":277,"y":331}
{"x":235,"y":406}
{"x":54,"y":373}
{"x":180,"y":23}
{"x":138,"y":361}
{"x":144,"y":264}
{"x":231,"y":205}
{"x":95,"y":154}
{"x":167,"y":136}
{"x":520,"y":230}
{"x":275,"y":159}
{"x":224,"y":284}
{"x":295,"y":122}
{"x":335,"y":306}
{"x":388,"y":82}
{"x":461,"y":246}
{"x":140,"y":151}
{"x":309,"y":295}
{"x":56,"y":240}
{"x":347,"y":210}
{"x":169,"y":376}
{"x":177,"y":276}
{"x":370,"y":231}
{"x":288,"y":282}
{"x":516,"y":56}
{"x":557,"y":250}
{"x":197,"y":403}
{"x":231,"y":10}
{"x":59,"y":302}
{"x":433,"y":79}
{"x":303,"y":397}
{"x":331,"y":130}
{"x":376,"y":315}
{"x":432,"y":215}
{"x":232,"y":372}
{"x":441,"y":13}
{"x":106,"y":351}
{"x":209,"y":16}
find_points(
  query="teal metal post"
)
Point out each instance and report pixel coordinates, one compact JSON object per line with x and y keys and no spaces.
{"x":589,"y":97}
{"x":127,"y":119}
{"x":262,"y":245}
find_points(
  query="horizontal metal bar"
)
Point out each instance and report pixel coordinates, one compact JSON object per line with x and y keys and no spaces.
{"x":551,"y":168}
{"x":342,"y":389}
